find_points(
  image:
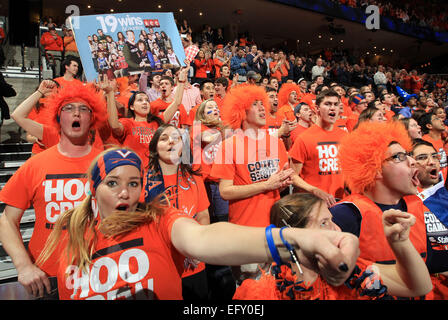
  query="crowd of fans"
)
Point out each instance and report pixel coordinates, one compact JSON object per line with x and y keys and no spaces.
{"x":258,"y":138}
{"x":429,"y":14}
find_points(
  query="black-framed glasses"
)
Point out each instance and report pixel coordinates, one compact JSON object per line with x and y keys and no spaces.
{"x":425,"y":156}
{"x":398,"y":157}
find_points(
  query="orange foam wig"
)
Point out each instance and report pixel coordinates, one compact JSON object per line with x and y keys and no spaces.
{"x":239,"y":100}
{"x":285,"y":91}
{"x":77,"y":92}
{"x":363,"y":151}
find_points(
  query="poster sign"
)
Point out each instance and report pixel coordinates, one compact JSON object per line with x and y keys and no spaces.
{"x":119,"y":45}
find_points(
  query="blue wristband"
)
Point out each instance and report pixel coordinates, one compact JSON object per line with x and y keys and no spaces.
{"x":288,"y":246}
{"x":286,"y":243}
{"x":272,"y":248}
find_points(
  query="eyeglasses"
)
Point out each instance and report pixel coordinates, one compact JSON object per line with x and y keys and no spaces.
{"x":398,"y":157}
{"x":81,"y":109}
{"x":425,"y":156}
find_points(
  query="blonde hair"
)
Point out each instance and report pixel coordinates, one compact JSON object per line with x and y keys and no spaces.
{"x":200,"y":116}
{"x":80,"y":223}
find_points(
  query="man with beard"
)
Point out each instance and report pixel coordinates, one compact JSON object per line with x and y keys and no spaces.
{"x":432,"y":129}
{"x":434,"y":195}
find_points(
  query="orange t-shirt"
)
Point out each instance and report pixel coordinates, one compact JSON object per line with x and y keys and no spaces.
{"x":137,"y":135}
{"x":438,"y":145}
{"x":36,"y":115}
{"x":219,"y":101}
{"x":286,"y":112}
{"x":189,"y":196}
{"x":192,"y":113}
{"x":247,"y":161}
{"x":297,"y":131}
{"x":180,"y":116}
{"x":70,"y":44}
{"x":341,"y":123}
{"x":273,"y":124}
{"x":317,"y":150}
{"x":126,"y":93}
{"x":63,"y":83}
{"x":218,"y":64}
{"x":280,"y":72}
{"x":52,"y":183}
{"x":142,"y":264}
{"x":389,"y":115}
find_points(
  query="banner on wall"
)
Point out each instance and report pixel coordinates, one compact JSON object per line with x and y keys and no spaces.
{"x":124,"y":44}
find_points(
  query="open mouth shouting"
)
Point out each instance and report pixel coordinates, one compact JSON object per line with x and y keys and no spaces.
{"x":122,"y":207}
{"x":433,"y":173}
{"x":76,"y":125}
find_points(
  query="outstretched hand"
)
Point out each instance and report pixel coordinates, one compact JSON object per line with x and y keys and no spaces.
{"x":332,"y":254}
{"x":103,"y":83}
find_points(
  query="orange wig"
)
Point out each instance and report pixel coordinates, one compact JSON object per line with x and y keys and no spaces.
{"x":77,"y":92}
{"x":239,"y":100}
{"x":363,"y":151}
{"x":285,"y":91}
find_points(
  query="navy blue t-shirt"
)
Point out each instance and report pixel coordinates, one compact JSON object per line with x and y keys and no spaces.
{"x":348,"y":217}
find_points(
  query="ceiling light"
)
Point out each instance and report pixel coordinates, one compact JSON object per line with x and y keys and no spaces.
{"x":89,"y":6}
{"x":200,"y":13}
{"x":180,"y":10}
{"x":159,"y":6}
{"x":111,"y":10}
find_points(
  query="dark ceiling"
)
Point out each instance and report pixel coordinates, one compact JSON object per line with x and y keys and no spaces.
{"x":271,"y":24}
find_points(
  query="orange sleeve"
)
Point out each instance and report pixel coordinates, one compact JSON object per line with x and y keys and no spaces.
{"x":18,"y":191}
{"x":298,"y":150}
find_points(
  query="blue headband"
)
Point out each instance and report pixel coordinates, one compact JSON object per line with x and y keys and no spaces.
{"x":110,"y":161}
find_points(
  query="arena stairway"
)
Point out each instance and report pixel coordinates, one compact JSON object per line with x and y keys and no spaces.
{"x":12,"y":156}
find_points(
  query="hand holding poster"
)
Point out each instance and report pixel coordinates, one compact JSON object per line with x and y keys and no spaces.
{"x":119,"y":45}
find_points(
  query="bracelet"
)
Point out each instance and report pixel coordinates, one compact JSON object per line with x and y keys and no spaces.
{"x":291,"y":250}
{"x":181,"y":81}
{"x":40,"y":92}
{"x":272,"y":247}
{"x":286,"y":135}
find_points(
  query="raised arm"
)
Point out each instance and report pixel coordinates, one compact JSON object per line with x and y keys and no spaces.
{"x":109,"y":90}
{"x":20,"y":114}
{"x":409,"y":277}
{"x":172,"y":108}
